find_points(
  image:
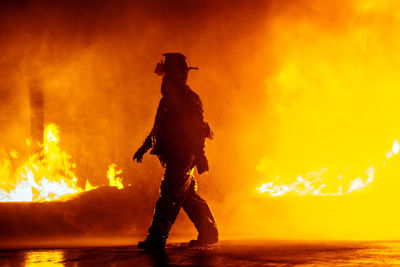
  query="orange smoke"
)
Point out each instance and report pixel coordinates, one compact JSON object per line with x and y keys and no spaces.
{"x":303,"y":90}
{"x":334,"y":95}
{"x":327,"y":137}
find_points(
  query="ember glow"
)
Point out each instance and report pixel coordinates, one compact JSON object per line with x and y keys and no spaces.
{"x":46,"y":175}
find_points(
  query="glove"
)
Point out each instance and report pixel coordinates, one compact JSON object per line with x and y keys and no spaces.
{"x":143,"y":149}
{"x":139,"y":154}
{"x":202,"y":164}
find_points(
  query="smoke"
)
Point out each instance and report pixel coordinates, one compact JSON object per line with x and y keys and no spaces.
{"x":331,"y":104}
{"x":94,"y":62}
{"x":291,"y":87}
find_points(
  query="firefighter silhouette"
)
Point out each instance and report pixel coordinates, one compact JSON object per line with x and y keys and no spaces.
{"x":178,"y":139}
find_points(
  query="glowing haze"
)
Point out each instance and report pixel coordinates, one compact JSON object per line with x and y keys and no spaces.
{"x":302,"y":96}
{"x":334,"y":94}
{"x":333,"y":113}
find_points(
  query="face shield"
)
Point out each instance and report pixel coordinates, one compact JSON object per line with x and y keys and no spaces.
{"x":173,"y":63}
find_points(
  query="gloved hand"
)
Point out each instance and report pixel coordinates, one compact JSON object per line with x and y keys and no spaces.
{"x":202,"y":163}
{"x":139,"y":154}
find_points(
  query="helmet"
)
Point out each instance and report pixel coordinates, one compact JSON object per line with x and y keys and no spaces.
{"x":174,"y":62}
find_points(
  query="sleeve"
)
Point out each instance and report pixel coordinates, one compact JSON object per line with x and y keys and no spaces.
{"x":201,"y":129}
{"x":148,"y":142}
{"x":159,"y":115}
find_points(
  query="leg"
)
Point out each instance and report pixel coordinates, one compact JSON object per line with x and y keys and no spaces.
{"x":201,"y":216}
{"x":174,"y":188}
{"x":168,"y":206}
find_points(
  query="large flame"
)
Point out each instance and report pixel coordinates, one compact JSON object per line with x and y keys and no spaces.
{"x":334,"y":94}
{"x":46,"y":175}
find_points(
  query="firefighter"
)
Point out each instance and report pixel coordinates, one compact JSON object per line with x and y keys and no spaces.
{"x":178,"y":139}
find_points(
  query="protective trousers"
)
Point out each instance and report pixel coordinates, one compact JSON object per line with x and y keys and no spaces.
{"x":179,"y":189}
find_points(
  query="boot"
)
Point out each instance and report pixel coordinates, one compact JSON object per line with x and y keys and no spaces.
{"x":152,"y":243}
{"x":202,"y":242}
{"x":205,"y":239}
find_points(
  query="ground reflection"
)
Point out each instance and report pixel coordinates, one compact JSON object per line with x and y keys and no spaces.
{"x":227,"y":253}
{"x":157,"y":258}
{"x":44,"y":258}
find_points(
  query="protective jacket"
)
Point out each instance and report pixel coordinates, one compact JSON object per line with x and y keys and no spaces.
{"x":179,"y":125}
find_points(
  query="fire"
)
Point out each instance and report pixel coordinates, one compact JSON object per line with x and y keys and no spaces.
{"x":319,"y":183}
{"x":332,"y":98}
{"x":113,"y":178}
{"x":322,"y":182}
{"x":46,"y":175}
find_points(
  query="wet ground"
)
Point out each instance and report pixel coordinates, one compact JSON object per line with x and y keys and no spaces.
{"x":227,"y":253}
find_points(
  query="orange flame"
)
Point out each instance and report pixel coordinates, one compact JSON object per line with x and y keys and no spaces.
{"x":322,"y":183}
{"x":332,"y":98}
{"x":45,"y":176}
{"x":113,"y":178}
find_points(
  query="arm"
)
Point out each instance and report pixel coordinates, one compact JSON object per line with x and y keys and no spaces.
{"x":148,"y":142}
{"x":202,"y":131}
{"x":200,"y":157}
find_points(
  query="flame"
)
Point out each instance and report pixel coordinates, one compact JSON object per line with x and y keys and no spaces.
{"x":88,"y":186}
{"x":332,"y":99}
{"x":46,"y":175}
{"x":44,"y":258}
{"x":113,"y":178}
{"x":322,"y":183}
